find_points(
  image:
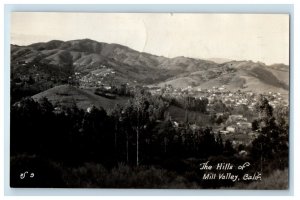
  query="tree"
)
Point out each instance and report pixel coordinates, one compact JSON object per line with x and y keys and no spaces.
{"x":228,"y":149}
{"x":263,"y":107}
{"x":219,"y":106}
{"x":96,"y":133}
{"x":30,"y":80}
{"x":269,"y":145}
{"x":140,"y":107}
{"x":45,"y":105}
{"x":25,"y":125}
{"x":209,"y":145}
{"x":281,"y":114}
{"x":255,"y":125}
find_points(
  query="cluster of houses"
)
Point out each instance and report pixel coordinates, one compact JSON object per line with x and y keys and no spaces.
{"x":96,"y":78}
{"x":237,"y":130}
{"x":229,"y":98}
{"x":237,"y":127}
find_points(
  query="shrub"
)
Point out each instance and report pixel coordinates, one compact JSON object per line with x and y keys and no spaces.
{"x":278,"y":180}
{"x":92,"y":175}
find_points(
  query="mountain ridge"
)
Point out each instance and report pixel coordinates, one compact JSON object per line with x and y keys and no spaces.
{"x":87,"y":57}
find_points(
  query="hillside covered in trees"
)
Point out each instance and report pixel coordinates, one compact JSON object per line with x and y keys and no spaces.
{"x":98,"y":115}
{"x":134,"y":145}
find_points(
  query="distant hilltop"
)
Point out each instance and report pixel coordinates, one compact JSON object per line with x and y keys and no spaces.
{"x":99,"y":62}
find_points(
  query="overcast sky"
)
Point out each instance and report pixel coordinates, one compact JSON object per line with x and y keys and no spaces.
{"x":257,"y":37}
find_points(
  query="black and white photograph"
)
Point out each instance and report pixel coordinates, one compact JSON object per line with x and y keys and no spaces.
{"x":149,"y":100}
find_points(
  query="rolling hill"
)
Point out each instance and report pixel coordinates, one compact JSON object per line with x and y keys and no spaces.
{"x":66,"y":95}
{"x":236,"y":75}
{"x":57,"y":62}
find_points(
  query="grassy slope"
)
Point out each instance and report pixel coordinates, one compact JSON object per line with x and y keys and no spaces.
{"x":246,"y":76}
{"x":130,"y":65}
{"x":68,"y":95}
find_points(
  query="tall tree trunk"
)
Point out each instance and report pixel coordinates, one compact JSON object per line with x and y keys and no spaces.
{"x":116,"y":129}
{"x":127,"y":148}
{"x":137,"y":146}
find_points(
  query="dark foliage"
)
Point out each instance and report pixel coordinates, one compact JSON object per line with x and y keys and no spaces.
{"x":61,"y":141}
{"x":270,"y":148}
{"x":135,"y":134}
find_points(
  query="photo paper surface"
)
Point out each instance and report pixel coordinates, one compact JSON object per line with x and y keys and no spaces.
{"x":149,"y":100}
